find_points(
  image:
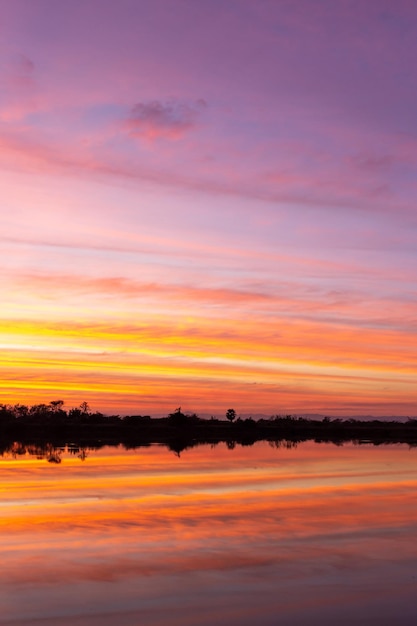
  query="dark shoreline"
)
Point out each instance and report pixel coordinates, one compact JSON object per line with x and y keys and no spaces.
{"x":179,"y":431}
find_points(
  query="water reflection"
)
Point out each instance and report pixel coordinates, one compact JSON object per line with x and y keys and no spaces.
{"x":53,"y":452}
{"x":254,"y":535}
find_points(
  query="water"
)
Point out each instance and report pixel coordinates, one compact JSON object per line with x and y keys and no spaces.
{"x":258,"y":535}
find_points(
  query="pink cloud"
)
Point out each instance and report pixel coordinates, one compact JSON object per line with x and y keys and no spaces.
{"x":169,"y":120}
{"x":19,"y":88}
{"x":20,"y":71}
{"x":358,"y":181}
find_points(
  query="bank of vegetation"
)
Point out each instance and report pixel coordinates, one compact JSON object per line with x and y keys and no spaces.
{"x":52,"y":423}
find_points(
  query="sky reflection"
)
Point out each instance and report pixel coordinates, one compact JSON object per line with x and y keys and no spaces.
{"x":256,"y":535}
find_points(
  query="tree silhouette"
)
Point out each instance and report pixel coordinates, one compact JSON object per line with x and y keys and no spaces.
{"x":56,"y":406}
{"x":85,"y":408}
{"x":178,"y":418}
{"x":231,"y":414}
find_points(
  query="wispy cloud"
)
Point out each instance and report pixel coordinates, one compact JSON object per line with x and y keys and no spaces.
{"x":167,"y":120}
{"x":19,"y":88}
{"x":20,"y":71}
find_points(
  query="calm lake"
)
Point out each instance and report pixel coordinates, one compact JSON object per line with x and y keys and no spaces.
{"x":259,"y":536}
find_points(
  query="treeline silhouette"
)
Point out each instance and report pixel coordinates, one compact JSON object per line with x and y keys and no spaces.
{"x":44,"y":424}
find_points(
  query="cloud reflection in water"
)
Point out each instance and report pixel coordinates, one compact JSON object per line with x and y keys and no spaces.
{"x":316,"y":534}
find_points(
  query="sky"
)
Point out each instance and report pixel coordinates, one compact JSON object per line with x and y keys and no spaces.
{"x":209,"y":204}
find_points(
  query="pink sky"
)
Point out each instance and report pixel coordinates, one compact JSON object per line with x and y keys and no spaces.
{"x":209,"y":204}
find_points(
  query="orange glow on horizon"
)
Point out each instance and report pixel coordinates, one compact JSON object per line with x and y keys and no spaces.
{"x":286,"y":364}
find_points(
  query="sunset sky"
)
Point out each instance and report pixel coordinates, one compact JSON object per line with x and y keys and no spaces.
{"x":209,"y":204}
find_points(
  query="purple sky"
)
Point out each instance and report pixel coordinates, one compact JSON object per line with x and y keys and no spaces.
{"x":198,"y":167}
